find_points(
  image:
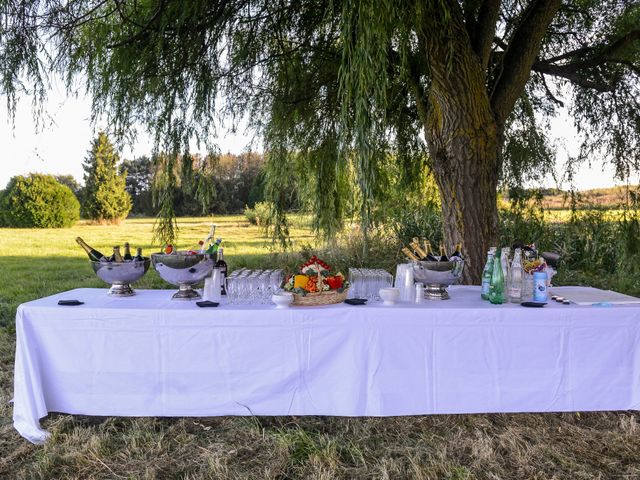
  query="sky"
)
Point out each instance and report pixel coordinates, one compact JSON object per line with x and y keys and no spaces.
{"x":60,"y":144}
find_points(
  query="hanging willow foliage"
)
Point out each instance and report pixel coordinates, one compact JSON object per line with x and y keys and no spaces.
{"x":338,"y":89}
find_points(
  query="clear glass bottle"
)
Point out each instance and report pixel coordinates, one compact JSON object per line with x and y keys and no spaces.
{"x":514,"y":288}
{"x":486,"y":274}
{"x":504,"y":263}
{"x":496,"y":288}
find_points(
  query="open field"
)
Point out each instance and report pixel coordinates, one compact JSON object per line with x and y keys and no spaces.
{"x":611,"y":197}
{"x":35,"y":263}
{"x":56,"y":263}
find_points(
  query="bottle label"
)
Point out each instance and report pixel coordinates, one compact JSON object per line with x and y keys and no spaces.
{"x":540,"y":291}
{"x":485,"y":285}
{"x":515,"y":292}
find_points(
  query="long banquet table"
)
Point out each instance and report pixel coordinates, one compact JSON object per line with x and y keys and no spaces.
{"x":149,"y":356}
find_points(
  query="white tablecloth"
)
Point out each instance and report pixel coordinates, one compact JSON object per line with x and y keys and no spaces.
{"x":149,"y":356}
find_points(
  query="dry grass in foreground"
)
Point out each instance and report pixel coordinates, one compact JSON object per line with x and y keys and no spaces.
{"x":523,"y":446}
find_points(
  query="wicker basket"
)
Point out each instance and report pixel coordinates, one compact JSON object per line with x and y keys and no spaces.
{"x":317,"y":299}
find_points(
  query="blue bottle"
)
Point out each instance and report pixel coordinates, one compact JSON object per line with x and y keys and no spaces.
{"x":540,"y":287}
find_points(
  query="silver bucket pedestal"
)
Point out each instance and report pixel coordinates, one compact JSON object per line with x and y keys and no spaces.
{"x":437,"y":276}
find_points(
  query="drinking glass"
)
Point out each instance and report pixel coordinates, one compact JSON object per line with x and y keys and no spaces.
{"x":275,"y":280}
{"x":228,"y":285}
{"x":244,"y":287}
{"x":264,"y":291}
{"x":404,"y":281}
{"x":355,"y":277}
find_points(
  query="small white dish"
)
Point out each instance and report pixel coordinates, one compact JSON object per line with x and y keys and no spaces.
{"x":389,"y":295}
{"x":282,"y":300}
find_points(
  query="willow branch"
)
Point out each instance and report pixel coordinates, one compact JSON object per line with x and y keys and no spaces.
{"x":486,"y":29}
{"x":523,"y":48}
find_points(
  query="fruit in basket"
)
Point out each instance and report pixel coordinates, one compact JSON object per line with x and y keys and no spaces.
{"x":300,"y":281}
{"x":312,"y":285}
{"x":335,"y":281}
{"x":315,"y":277}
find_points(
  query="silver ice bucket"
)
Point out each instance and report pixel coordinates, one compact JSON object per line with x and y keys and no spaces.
{"x":184,"y":270}
{"x":437,"y":276}
{"x":121,"y":275}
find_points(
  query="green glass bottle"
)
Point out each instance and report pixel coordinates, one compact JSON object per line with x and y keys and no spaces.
{"x":486,"y":275}
{"x":496,"y":288}
{"x":127,"y":252}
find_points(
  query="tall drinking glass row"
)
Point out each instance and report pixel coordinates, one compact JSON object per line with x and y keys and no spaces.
{"x":245,"y":287}
{"x":367,"y":282}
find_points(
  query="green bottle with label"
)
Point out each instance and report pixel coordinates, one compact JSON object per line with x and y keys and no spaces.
{"x":496,"y":288}
{"x":486,"y":274}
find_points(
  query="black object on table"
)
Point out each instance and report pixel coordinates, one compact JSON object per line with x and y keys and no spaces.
{"x":70,"y":302}
{"x":533,"y":304}
{"x":356,"y":301}
{"x":207,"y":303}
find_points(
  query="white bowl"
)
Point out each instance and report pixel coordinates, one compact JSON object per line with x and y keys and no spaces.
{"x":389,"y":295}
{"x":282,"y":300}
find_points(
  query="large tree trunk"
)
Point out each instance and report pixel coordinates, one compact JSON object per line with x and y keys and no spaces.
{"x":463,"y":139}
{"x":465,"y":161}
{"x":464,"y":113}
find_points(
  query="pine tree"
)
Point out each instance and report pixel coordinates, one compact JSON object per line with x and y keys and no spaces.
{"x":104,"y":198}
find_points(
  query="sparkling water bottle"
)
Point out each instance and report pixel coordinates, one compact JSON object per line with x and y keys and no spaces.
{"x":514,"y":289}
{"x":496,"y":288}
{"x":504,"y":263}
{"x":486,"y":274}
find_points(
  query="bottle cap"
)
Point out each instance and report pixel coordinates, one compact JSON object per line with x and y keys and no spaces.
{"x":539,"y":275}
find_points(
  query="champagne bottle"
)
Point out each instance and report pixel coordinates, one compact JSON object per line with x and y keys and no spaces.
{"x":117,"y":257}
{"x":417,"y":249}
{"x":410,"y":255}
{"x":443,"y":255}
{"x":430,"y":256}
{"x":222,"y":265}
{"x":127,"y":252}
{"x":138,"y":257}
{"x":457,"y":252}
{"x":93,"y":254}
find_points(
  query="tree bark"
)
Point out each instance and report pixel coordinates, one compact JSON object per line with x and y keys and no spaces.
{"x":464,"y":149}
{"x":465,"y":111}
{"x":463,"y":139}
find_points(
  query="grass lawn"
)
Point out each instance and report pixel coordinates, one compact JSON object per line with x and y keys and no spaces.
{"x":35,"y":263}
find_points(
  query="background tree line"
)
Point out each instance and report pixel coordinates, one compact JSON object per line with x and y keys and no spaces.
{"x":113,"y":189}
{"x":206,"y":184}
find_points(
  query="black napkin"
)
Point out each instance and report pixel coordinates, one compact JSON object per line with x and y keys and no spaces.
{"x":70,"y":302}
{"x":207,"y":303}
{"x":356,"y":301}
{"x":533,"y":304}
